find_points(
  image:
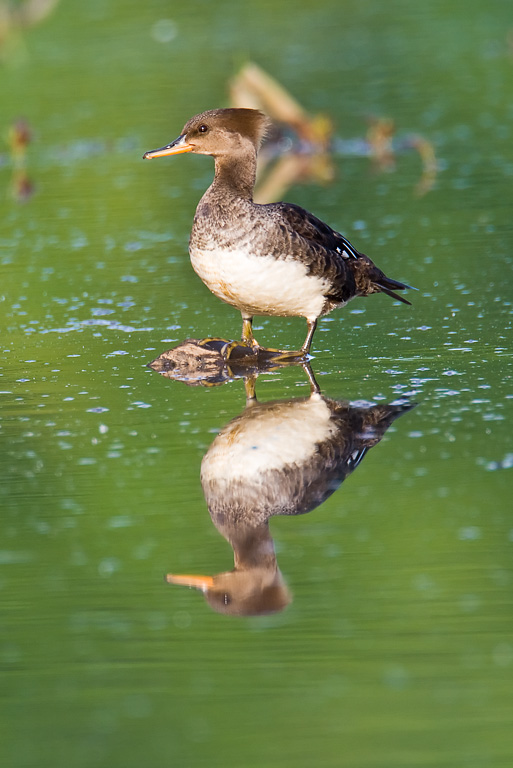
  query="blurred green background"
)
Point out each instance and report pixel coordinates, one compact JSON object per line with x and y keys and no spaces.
{"x":397,"y":649}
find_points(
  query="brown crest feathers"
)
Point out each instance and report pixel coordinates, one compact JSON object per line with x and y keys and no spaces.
{"x":248,"y":122}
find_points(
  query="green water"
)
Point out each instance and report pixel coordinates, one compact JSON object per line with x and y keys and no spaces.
{"x":397,"y":647}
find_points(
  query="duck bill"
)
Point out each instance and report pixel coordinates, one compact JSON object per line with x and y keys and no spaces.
{"x":177,"y":147}
{"x":203,"y":583}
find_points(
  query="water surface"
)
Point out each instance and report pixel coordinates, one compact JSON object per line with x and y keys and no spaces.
{"x":396,"y":648}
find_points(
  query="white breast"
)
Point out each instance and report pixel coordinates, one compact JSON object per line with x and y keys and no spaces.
{"x":260,"y":285}
{"x":261,"y":440}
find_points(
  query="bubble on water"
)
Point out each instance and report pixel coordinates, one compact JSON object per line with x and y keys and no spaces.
{"x":469,"y":533}
{"x":502,"y":654}
{"x":108,"y":566}
{"x":469,"y":603}
{"x":157,"y":620}
{"x":182,"y":619}
{"x":11,"y":654}
{"x":133,"y":246}
{"x":137,"y":705}
{"x":396,"y":677}
{"x":12,"y":557}
{"x":164,"y":31}
{"x":120,"y":521}
{"x":424,"y":583}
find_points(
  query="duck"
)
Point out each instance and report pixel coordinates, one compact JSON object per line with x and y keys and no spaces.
{"x":280,"y":457}
{"x":273,"y":259}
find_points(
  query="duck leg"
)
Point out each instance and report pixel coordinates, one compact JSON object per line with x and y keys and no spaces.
{"x":312,"y":325}
{"x":314,"y":387}
{"x":249,"y":340}
{"x":300,"y":354}
{"x":249,"y":386}
{"x":247,"y":331}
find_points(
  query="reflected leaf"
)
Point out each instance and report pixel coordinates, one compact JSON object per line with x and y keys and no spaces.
{"x":16,"y":17}
{"x":379,"y":136}
{"x":301,"y":146}
{"x":19,"y":137}
{"x":301,"y":156}
{"x":21,"y":187}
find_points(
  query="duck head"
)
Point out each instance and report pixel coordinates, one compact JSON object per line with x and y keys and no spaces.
{"x":218,"y":132}
{"x":241,"y":592}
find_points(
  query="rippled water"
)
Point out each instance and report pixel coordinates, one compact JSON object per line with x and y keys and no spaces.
{"x":395,"y":647}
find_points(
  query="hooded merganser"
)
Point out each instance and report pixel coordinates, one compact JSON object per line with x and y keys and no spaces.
{"x":274,"y":259}
{"x":284,"y":457}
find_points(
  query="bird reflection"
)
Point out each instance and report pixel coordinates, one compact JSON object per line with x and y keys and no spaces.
{"x":277,"y":458}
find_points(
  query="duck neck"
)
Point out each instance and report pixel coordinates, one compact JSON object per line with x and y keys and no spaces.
{"x":252,"y":544}
{"x":253,"y":547}
{"x":235,"y":175}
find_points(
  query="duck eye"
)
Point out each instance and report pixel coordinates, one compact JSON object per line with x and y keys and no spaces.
{"x":203,"y":129}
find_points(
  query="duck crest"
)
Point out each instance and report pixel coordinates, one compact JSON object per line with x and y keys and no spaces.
{"x":251,"y":123}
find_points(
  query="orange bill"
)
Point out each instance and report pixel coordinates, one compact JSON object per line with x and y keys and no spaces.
{"x":177,"y":147}
{"x":204,"y":583}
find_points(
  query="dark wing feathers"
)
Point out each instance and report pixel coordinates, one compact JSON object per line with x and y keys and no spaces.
{"x":307,"y":225}
{"x":327,"y":254}
{"x":324,"y":251}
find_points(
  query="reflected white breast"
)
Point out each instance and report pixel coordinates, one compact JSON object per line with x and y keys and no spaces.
{"x":254,"y":443}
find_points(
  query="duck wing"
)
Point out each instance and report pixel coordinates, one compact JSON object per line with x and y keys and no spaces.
{"x":303,"y":223}
{"x":324,"y":252}
{"x":329,"y":254}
